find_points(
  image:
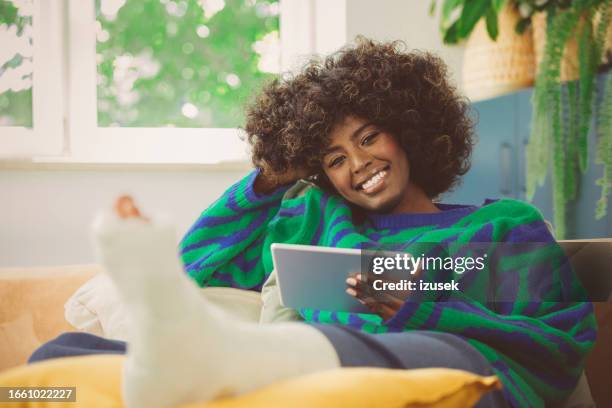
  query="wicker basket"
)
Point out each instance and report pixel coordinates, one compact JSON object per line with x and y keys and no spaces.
{"x":493,"y":68}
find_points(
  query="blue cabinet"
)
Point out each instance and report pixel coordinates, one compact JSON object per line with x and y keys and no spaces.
{"x":498,"y":166}
{"x":494,"y":160}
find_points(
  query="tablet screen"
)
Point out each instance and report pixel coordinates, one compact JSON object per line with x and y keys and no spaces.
{"x":315,"y":277}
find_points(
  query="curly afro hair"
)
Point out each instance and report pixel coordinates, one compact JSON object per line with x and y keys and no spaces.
{"x":407,"y":94}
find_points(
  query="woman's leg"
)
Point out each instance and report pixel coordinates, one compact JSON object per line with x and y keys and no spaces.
{"x":76,"y":344}
{"x":181,"y":348}
{"x":412,"y":349}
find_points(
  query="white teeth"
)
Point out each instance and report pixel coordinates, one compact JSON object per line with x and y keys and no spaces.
{"x":374,"y":180}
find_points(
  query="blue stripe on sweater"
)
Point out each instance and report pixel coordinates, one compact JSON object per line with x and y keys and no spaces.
{"x":231,"y":239}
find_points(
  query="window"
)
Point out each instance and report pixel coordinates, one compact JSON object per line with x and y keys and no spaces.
{"x":184,"y":63}
{"x":138,"y":81}
{"x":30,"y":78}
{"x":16,"y":63}
{"x":171,"y":78}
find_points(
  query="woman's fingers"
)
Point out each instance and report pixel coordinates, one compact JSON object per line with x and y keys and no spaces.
{"x":389,"y":301}
{"x":359,"y":284}
{"x":357,"y":287}
{"x":386,"y":312}
{"x":352,"y":292}
{"x":396,"y":303}
{"x":381,"y":309}
{"x":380,"y":302}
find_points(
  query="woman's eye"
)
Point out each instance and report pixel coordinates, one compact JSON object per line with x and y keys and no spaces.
{"x":369,"y":138}
{"x":335,"y":162}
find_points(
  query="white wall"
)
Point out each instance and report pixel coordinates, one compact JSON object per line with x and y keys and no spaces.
{"x":406,"y":20}
{"x":323,"y":26}
{"x":45,"y":215}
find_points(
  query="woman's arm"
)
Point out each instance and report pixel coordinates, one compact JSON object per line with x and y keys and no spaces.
{"x":540,"y":338}
{"x":224,"y":245}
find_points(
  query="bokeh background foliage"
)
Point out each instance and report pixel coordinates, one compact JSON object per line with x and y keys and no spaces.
{"x":16,"y":63}
{"x":183,"y":63}
{"x":187,"y":63}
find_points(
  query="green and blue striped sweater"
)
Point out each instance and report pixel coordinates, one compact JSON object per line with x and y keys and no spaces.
{"x":537,"y":349}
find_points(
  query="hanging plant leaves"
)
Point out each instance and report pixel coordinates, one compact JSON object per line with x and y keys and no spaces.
{"x":448,"y":8}
{"x":604,"y":117}
{"x":604,"y":148}
{"x":492,"y":26}
{"x":471,"y":13}
{"x":448,"y":27}
{"x":547,"y":130}
{"x":432,"y":7}
{"x":587,"y":66}
{"x":571,"y":126}
{"x":498,"y":5}
{"x":451,"y":36}
{"x":522,"y":25}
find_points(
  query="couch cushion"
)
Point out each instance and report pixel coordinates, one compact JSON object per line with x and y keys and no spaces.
{"x":96,"y":307}
{"x":31,"y":307}
{"x":97,"y":382}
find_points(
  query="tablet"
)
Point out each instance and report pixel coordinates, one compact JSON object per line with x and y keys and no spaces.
{"x":315,"y":277}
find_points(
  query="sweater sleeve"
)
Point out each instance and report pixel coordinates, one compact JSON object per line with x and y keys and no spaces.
{"x":224,"y":246}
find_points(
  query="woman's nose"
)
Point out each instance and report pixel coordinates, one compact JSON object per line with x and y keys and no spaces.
{"x":360,"y":160}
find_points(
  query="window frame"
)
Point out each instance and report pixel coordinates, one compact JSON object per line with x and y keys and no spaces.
{"x":46,"y":136}
{"x":90,"y":143}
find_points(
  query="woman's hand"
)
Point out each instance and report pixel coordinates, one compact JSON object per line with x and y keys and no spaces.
{"x":385,"y":303}
{"x":268,"y":180}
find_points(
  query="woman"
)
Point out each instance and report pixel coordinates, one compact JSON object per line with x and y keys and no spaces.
{"x":381,"y":134}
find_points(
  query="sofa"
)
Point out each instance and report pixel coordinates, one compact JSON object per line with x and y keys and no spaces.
{"x":32,"y":312}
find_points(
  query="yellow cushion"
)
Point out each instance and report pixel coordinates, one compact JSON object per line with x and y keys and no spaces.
{"x":97,"y":380}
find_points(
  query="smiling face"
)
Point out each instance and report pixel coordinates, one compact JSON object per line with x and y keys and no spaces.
{"x":369,"y":168}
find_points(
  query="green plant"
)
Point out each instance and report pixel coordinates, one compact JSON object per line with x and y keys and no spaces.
{"x":15,"y":104}
{"x":459,"y":17}
{"x":604,"y":148}
{"x":200,"y":53}
{"x":562,"y":113}
{"x":187,"y":63}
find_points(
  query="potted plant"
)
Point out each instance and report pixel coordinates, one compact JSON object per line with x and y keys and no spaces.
{"x":562,"y":112}
{"x":496,"y":67}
